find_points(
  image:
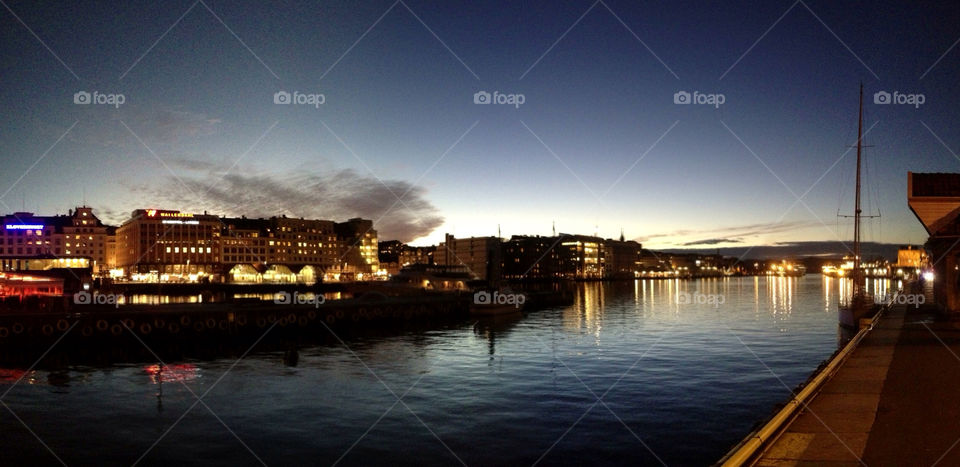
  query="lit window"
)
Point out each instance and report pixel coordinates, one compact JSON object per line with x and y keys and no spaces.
{"x":176,"y":249}
{"x":168,"y":249}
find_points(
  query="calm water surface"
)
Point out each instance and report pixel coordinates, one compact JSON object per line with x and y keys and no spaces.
{"x":646,"y":372}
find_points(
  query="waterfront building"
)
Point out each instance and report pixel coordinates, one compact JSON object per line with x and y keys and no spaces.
{"x":435,"y":277}
{"x":910,"y":257}
{"x":531,"y":257}
{"x":75,"y":240}
{"x":581,"y":257}
{"x":158,"y":245}
{"x":394,"y":255}
{"x":934,"y":199}
{"x":622,"y":258}
{"x":417,"y":255}
{"x":357,"y":256}
{"x":482,"y":256}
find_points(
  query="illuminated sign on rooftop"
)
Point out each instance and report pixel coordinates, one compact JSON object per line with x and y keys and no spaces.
{"x":24,"y":226}
{"x":170,"y":221}
{"x":167,"y":214}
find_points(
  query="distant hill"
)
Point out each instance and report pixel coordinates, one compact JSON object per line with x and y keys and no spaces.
{"x":824,"y":250}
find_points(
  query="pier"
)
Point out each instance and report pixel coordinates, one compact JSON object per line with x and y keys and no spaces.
{"x":888,"y":399}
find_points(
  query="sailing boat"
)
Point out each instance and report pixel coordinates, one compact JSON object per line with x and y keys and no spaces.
{"x":860,"y":304}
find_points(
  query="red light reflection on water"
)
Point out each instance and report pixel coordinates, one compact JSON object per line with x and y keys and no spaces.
{"x":181,"y":372}
{"x":12,"y":375}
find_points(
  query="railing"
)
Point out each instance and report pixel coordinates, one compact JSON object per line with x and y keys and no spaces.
{"x":746,"y":451}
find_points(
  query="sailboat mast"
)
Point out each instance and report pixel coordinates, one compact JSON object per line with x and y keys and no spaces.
{"x":857,"y":274}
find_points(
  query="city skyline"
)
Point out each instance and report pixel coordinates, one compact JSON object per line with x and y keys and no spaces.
{"x":597,"y":144}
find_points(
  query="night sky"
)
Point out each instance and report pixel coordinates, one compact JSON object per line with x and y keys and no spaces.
{"x":598,"y":144}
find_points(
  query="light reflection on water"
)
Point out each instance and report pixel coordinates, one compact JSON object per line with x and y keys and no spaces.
{"x":497,"y":391}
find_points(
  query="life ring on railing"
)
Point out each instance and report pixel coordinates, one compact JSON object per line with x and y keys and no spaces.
{"x":261,"y":322}
{"x":312,"y":315}
{"x":331,"y":319}
{"x":159,"y":323}
{"x":102,"y":325}
{"x":4,"y":332}
{"x":17,"y":328}
{"x":87,"y":331}
{"x":242,"y":319}
{"x":130,"y":323}
{"x":291,"y":318}
{"x":47,"y":329}
{"x":116,"y":329}
{"x":173,"y":328}
{"x":339,"y":314}
{"x":62,"y":325}
{"x":211,"y":323}
{"x":355,"y":316}
{"x":222,"y":325}
{"x":184,"y":320}
{"x":302,"y":321}
{"x":198,"y":326}
{"x":145,"y":328}
{"x":271,"y":318}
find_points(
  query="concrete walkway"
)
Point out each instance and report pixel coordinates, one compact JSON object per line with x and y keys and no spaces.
{"x":895,"y":401}
{"x":835,"y":427}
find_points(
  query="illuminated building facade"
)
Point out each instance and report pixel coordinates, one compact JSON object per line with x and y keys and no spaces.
{"x":582,"y":257}
{"x":934,"y":198}
{"x":76,"y":240}
{"x":395,"y":255}
{"x":279,"y":248}
{"x":358,"y":248}
{"x":482,"y":256}
{"x":169,"y":246}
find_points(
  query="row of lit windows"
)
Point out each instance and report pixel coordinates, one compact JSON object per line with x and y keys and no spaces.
{"x":193,"y":249}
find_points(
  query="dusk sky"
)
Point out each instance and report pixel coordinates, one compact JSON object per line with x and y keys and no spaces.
{"x":597,"y":145}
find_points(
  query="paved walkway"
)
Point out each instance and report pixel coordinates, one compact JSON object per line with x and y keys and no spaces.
{"x":895,"y":401}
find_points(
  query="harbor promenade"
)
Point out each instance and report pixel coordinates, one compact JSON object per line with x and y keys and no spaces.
{"x":894,"y":400}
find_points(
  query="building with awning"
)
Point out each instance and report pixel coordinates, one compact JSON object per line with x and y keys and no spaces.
{"x":935,"y":199}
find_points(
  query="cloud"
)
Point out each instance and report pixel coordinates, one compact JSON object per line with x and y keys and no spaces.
{"x":726,"y":233}
{"x":713,"y":241}
{"x":333,"y":194}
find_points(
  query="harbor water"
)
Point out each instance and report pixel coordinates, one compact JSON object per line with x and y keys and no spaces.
{"x":648,"y":372}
